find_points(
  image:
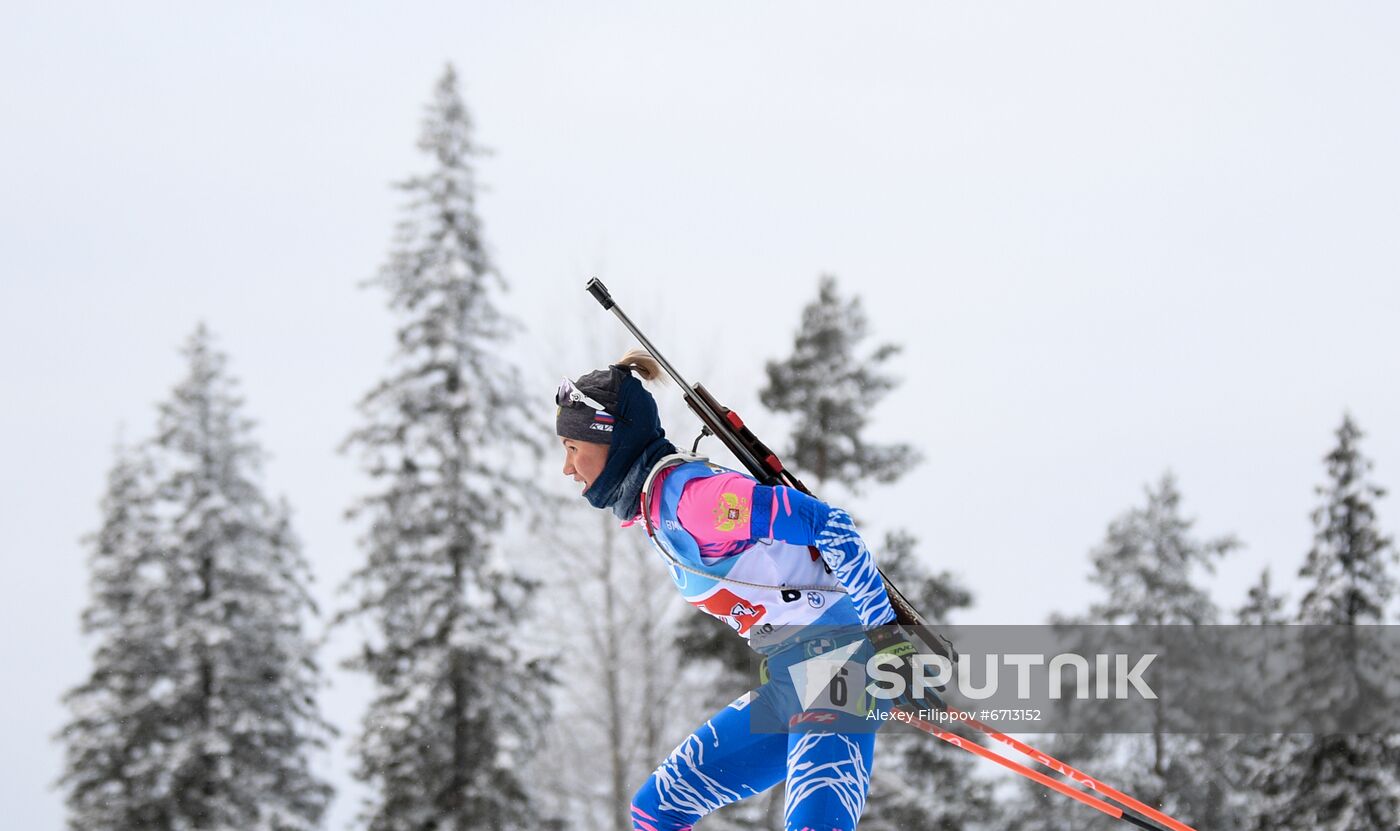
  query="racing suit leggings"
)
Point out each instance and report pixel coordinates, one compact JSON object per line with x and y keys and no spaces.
{"x":827,"y":773}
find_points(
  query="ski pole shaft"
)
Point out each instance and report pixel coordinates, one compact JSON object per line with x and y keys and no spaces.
{"x":1035,"y":776}
{"x":1077,"y":775}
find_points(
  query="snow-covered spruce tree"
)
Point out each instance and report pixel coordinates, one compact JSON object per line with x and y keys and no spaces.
{"x":1350,"y":566}
{"x":1150,"y":568}
{"x":832,"y":388}
{"x":1340,"y":781}
{"x":118,"y":740}
{"x":1149,"y":565}
{"x":1262,"y":607}
{"x":201,"y":708}
{"x":244,"y":678}
{"x":1255,"y":779}
{"x":445,"y":435}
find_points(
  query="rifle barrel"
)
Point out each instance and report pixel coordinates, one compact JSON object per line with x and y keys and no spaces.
{"x":600,"y":293}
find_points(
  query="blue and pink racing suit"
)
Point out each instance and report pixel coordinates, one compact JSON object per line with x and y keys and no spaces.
{"x":742,"y":544}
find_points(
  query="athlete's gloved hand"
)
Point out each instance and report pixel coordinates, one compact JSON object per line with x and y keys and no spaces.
{"x":896,"y":647}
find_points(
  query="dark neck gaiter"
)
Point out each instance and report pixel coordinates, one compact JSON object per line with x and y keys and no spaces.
{"x":637,"y":443}
{"x":624,"y":497}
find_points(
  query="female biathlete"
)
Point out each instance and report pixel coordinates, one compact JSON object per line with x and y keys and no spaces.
{"x":740,"y":552}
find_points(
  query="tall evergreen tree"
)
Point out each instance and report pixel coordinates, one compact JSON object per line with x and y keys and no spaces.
{"x":1260,"y":784}
{"x":1262,"y":607}
{"x":1341,"y":781}
{"x":200,"y":712}
{"x":1349,"y":567}
{"x":455,"y":708}
{"x":117,"y":741}
{"x":1150,"y":567}
{"x":832,"y":388}
{"x":244,"y":679}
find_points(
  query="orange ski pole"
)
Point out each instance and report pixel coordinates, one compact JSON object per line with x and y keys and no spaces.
{"x":1077,"y":775}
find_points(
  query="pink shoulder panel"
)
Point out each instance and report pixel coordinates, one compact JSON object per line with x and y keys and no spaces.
{"x":717,"y":509}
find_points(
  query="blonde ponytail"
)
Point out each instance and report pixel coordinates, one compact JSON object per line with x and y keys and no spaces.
{"x":641,"y":362}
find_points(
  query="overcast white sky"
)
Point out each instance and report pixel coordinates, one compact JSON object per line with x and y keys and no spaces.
{"x":1115,"y":238}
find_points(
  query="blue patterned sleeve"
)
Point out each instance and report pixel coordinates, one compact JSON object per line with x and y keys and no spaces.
{"x":794,"y":517}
